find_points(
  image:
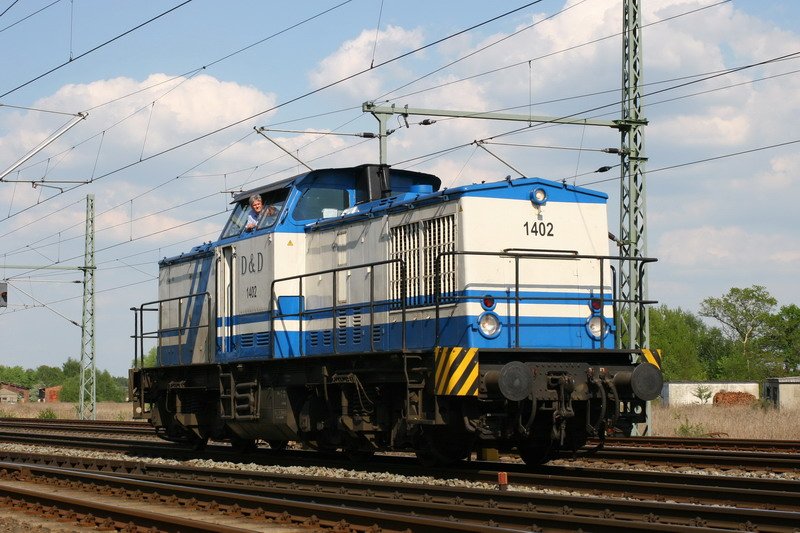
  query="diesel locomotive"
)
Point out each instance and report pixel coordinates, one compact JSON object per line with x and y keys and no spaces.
{"x":370,"y":309}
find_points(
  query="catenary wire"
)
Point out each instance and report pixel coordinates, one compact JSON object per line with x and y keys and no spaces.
{"x":300,"y":97}
{"x":29,"y":16}
{"x":79,"y":56}
{"x":549,"y":54}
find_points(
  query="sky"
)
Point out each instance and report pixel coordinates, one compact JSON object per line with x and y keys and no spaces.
{"x":172,"y":92}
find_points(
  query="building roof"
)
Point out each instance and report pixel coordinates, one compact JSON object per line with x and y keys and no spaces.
{"x":787,"y":379}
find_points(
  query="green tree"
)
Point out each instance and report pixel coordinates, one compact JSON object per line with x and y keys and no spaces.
{"x":71,"y":367}
{"x":744,"y":314}
{"x":70,"y":389}
{"x":782,"y":337}
{"x":712,"y":348}
{"x":677,"y":334}
{"x":107,"y":388}
{"x":18,"y":376}
{"x":149,"y":359}
{"x":49,"y":376}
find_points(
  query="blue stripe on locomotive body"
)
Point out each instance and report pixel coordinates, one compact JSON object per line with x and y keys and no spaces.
{"x":305,"y":277}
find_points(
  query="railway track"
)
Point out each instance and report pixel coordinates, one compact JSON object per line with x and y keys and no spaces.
{"x":371,"y":503}
{"x":719,"y":459}
{"x":704,"y":443}
{"x":681,"y":443}
{"x":581,"y":491}
{"x":762,"y":493}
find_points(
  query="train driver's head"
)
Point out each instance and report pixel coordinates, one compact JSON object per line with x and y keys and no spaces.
{"x":256,"y":203}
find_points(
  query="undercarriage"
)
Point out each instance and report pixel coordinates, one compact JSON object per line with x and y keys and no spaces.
{"x":520,"y":402}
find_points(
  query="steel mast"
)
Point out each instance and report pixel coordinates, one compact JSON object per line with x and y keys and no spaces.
{"x":87,"y":400}
{"x":634,"y":329}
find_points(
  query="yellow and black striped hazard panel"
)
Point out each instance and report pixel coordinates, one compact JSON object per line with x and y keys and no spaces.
{"x":652,"y":356}
{"x":456,"y":371}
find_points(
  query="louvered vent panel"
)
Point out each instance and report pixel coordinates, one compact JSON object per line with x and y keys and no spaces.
{"x":341,"y":328}
{"x":404,"y":245}
{"x":357,"y":333}
{"x":247,"y":340}
{"x":262,"y":339}
{"x":419,"y":245}
{"x":439,"y":236}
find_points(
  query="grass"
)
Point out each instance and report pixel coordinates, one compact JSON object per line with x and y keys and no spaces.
{"x":66,"y":410}
{"x":734,"y":422}
{"x":714,"y":421}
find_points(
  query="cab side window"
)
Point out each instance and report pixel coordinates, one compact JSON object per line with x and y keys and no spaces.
{"x":321,"y":202}
{"x":270,"y":215}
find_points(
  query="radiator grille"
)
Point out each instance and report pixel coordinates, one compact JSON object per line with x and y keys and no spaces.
{"x":418,"y":245}
{"x":404,"y":245}
{"x":439,"y":236}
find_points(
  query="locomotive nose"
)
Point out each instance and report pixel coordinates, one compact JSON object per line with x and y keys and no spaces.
{"x":646,"y":381}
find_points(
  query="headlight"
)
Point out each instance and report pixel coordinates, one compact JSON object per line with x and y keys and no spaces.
{"x":538,"y":196}
{"x":489,"y":324}
{"x":597,"y":327}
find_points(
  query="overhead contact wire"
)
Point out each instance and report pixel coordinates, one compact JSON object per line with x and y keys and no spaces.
{"x":71,"y":59}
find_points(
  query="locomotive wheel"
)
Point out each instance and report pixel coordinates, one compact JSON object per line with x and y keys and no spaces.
{"x":534,"y":455}
{"x":358,"y":456}
{"x":198,"y":444}
{"x":241,"y":445}
{"x":358,"y":449}
{"x":278,"y":445}
{"x":443,"y":448}
{"x":537,"y":449}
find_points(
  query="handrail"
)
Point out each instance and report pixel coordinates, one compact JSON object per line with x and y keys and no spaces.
{"x":333,"y":271}
{"x":140,"y":334}
{"x":558,"y":255}
{"x":439,"y":300}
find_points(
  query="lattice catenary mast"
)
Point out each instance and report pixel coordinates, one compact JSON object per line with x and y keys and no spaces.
{"x":87,"y":402}
{"x":633,"y":323}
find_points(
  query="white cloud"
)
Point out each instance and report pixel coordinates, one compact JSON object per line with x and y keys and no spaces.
{"x":716,"y":127}
{"x":355,"y":55}
{"x":735,"y":247}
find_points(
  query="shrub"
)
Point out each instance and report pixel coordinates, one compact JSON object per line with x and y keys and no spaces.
{"x":702,"y":393}
{"x":47,"y":414}
{"x":687,"y":429}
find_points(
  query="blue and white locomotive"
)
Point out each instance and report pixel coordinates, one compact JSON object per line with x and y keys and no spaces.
{"x":371,"y":310}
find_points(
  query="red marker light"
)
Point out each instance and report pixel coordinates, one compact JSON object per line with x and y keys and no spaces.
{"x":596,"y":304}
{"x":488,"y":301}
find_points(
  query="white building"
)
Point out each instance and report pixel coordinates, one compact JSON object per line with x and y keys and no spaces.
{"x":8,"y":396}
{"x":692,"y":392}
{"x":784,"y":393}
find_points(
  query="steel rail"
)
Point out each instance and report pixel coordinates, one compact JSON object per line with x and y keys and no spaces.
{"x":753,"y":491}
{"x":723,"y":459}
{"x":89,"y":509}
{"x":713,"y":443}
{"x":505,"y":509}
